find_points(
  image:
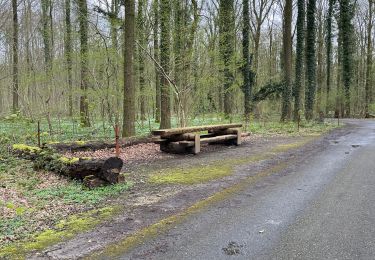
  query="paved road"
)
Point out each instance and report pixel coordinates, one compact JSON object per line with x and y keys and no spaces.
{"x":322,"y":208}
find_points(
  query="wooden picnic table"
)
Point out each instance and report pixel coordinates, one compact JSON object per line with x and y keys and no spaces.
{"x":189,"y":139}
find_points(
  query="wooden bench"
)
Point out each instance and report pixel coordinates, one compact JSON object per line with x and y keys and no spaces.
{"x":189,"y":139}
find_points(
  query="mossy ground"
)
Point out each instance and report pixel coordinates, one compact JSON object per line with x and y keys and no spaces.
{"x":65,"y":229}
{"x":217,"y":169}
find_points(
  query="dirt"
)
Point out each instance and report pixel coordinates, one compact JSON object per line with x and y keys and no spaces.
{"x":148,"y":203}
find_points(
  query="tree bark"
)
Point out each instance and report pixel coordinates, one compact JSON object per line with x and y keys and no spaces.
{"x":226,"y":45}
{"x":310,"y":60}
{"x":246,"y":70}
{"x":368,"y":86}
{"x":141,"y":64}
{"x":287,"y":55}
{"x":329,"y":53}
{"x":165,"y":121}
{"x":299,"y":59}
{"x":156,"y":57}
{"x":129,"y":88}
{"x":15,"y":57}
{"x":68,"y":54}
{"x":83,"y":31}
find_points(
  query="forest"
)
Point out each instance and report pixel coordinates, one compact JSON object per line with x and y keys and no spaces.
{"x":117,"y":114}
{"x":164,"y":63}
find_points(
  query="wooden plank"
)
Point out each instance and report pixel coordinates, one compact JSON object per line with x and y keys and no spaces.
{"x":176,"y":131}
{"x":186,"y":137}
{"x":219,"y":138}
{"x":197,"y":144}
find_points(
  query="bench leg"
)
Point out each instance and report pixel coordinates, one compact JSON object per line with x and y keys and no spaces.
{"x":197,"y":144}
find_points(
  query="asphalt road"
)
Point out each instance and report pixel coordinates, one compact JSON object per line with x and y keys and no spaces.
{"x":321,"y":208}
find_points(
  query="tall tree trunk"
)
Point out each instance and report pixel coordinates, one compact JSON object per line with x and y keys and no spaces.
{"x":129,"y":88}
{"x":226,"y":45}
{"x":329,"y":52}
{"x":346,"y":31}
{"x":115,"y":9}
{"x":320,"y":77}
{"x":68,"y":54}
{"x":310,"y":60}
{"x":46,"y":31}
{"x":287,"y":55}
{"x":299,"y":58}
{"x":15,"y":57}
{"x":83,"y":31}
{"x":141,"y":64}
{"x":368,"y":86}
{"x":156,"y":57}
{"x":246,"y":70}
{"x":165,"y":121}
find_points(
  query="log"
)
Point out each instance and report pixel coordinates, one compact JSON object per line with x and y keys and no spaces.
{"x":175,"y":131}
{"x":93,"y":182}
{"x":219,"y":139}
{"x":108,"y":170}
{"x":95,"y":145}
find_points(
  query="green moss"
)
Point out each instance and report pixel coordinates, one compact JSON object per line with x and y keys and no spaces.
{"x":192,"y":175}
{"x":64,"y":230}
{"x":202,"y":174}
{"x":80,"y":142}
{"x":286,"y":147}
{"x":67,"y":160}
{"x":217,"y":169}
{"x":25,"y":148}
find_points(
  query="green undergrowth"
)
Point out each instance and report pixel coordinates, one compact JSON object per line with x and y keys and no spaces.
{"x":63,"y":230}
{"x":75,"y":193}
{"x":269,"y":128}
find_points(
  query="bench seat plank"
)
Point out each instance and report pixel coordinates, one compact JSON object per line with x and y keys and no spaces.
{"x":176,"y":131}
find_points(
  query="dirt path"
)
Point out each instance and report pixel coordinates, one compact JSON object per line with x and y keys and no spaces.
{"x":153,"y":202}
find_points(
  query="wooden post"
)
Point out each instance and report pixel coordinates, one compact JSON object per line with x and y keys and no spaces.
{"x":298,"y":121}
{"x":117,"y":141}
{"x":38,"y":133}
{"x":338,"y":120}
{"x":197,"y":144}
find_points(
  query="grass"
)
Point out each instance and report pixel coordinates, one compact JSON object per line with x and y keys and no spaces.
{"x":74,"y":193}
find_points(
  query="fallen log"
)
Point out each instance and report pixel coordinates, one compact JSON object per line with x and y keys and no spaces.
{"x":95,"y":145}
{"x":108,"y":170}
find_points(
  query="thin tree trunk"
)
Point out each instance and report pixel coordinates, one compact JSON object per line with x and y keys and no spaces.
{"x":247,"y":85}
{"x":15,"y":57}
{"x":129,"y":88}
{"x":83,"y":28}
{"x":310,"y":60}
{"x":368,"y":86}
{"x":141,"y":63}
{"x":156,"y":57}
{"x":320,"y":78}
{"x":299,"y":58}
{"x":329,"y":53}
{"x":165,"y":121}
{"x":68,"y":54}
{"x":287,"y":55}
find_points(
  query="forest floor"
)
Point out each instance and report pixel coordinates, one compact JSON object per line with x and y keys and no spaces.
{"x":39,"y":209}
